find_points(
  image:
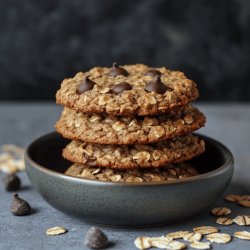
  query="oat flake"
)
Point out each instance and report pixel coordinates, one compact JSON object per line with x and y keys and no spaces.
{"x":55,"y":231}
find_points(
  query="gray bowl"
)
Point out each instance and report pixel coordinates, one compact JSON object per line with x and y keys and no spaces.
{"x":127,"y":204}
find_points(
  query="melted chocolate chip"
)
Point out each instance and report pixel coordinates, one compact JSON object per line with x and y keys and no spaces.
{"x":153,"y":72}
{"x":117,"y":70}
{"x":119,"y":88}
{"x":95,"y":239}
{"x":19,"y":207}
{"x":156,"y":86}
{"x":12,"y":182}
{"x":85,"y":85}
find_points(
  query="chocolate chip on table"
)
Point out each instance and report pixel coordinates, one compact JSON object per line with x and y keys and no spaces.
{"x":153,"y":72}
{"x":19,"y":207}
{"x":12,"y":182}
{"x":95,"y":239}
{"x":157,"y":86}
{"x":119,"y":88}
{"x":117,"y":70}
{"x":85,"y":85}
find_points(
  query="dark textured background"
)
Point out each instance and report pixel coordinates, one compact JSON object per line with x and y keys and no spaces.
{"x":42,"y":42}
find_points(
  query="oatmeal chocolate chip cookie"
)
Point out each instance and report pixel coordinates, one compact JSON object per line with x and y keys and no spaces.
{"x":167,"y":173}
{"x":141,"y":91}
{"x":104,"y":129}
{"x":159,"y":154}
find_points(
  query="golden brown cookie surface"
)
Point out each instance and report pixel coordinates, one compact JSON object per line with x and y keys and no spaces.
{"x":104,"y":129}
{"x":136,"y":93}
{"x":168,"y":173}
{"x":158,"y":154}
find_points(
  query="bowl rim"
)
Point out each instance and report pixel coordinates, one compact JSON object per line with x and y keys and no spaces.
{"x":229,"y":161}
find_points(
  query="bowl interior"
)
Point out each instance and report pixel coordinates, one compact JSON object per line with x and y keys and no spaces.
{"x":46,"y":151}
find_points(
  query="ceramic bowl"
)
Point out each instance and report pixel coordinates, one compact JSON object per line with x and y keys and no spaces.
{"x":127,"y":204}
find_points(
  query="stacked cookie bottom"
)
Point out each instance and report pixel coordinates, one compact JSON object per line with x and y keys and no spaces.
{"x":132,"y":148}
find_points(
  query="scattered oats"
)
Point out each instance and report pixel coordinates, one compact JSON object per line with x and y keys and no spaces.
{"x":13,"y":149}
{"x":142,"y":242}
{"x":219,"y":211}
{"x":165,"y":243}
{"x":219,"y":238}
{"x":244,"y":235}
{"x":8,"y":168}
{"x":159,"y":242}
{"x":242,"y":220}
{"x":56,"y":231}
{"x":19,"y":164}
{"x":232,"y":197}
{"x":192,"y":237}
{"x":244,"y":203}
{"x":175,"y":245}
{"x":200,"y":245}
{"x":11,"y":159}
{"x":146,"y":242}
{"x":177,"y":235}
{"x":224,"y":221}
{"x":245,"y":197}
{"x":166,"y":239}
{"x":4,"y":157}
{"x":205,"y":230}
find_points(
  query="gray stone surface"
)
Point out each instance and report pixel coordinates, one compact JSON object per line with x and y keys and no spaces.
{"x":21,"y":123}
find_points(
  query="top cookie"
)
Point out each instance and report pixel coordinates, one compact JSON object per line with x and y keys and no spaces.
{"x":127,"y":90}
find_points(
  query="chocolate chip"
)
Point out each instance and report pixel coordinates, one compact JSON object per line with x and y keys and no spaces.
{"x":95,"y":239}
{"x":12,"y":182}
{"x":119,"y":88}
{"x":19,"y":207}
{"x":153,"y":72}
{"x":85,"y":85}
{"x":117,"y":70}
{"x":156,"y":86}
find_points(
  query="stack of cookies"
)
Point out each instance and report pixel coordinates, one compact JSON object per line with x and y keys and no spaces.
{"x":130,"y":123}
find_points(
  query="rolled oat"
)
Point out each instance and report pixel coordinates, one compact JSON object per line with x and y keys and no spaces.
{"x":242,"y":220}
{"x":56,"y":231}
{"x":244,"y":235}
{"x":219,"y":238}
{"x":205,"y":230}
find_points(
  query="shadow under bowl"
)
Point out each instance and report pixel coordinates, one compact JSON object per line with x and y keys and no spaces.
{"x":127,"y":204}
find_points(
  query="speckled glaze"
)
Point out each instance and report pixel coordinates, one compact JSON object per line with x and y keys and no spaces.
{"x":127,"y":204}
